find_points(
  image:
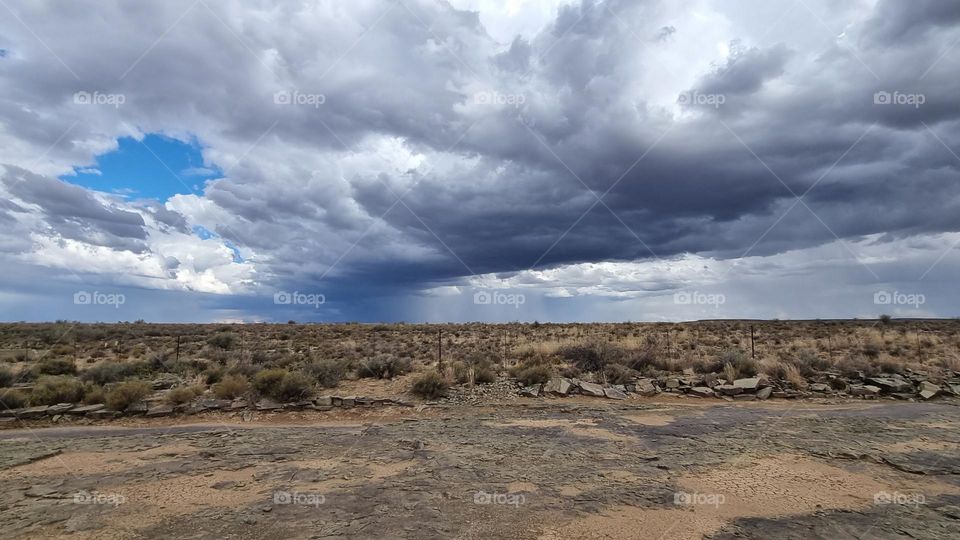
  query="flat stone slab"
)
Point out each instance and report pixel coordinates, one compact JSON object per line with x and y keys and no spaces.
{"x":32,"y":412}
{"x":530,"y":391}
{"x":558,"y":386}
{"x":591,"y":389}
{"x":160,"y":410}
{"x":614,"y":393}
{"x":86,"y":409}
{"x":749,"y":384}
{"x":702,"y":391}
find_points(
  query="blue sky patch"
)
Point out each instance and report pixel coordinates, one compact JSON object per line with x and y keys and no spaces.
{"x":157,"y":167}
{"x":204,"y":233}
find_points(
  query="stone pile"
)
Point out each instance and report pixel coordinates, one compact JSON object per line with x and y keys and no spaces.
{"x":325,"y":403}
{"x":897,"y":386}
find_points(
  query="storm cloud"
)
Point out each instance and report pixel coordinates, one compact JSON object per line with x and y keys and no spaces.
{"x":382,"y":151}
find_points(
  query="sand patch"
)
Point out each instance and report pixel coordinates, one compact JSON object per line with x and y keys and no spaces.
{"x":516,"y":487}
{"x":920,"y":445}
{"x":650,"y":419}
{"x":86,"y":463}
{"x":747,"y":487}
{"x":148,"y":503}
{"x":580,"y":428}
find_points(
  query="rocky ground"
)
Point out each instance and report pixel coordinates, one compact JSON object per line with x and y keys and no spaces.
{"x":578,"y":467}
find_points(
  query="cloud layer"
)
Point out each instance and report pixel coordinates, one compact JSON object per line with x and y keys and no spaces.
{"x":379,"y":152}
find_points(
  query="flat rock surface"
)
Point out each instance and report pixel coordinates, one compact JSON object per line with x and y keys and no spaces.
{"x":543,"y":469}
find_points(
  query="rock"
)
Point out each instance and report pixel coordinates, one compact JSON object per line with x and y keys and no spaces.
{"x":214,"y":404}
{"x":614,"y":393}
{"x":903,"y":395}
{"x":268,"y":405}
{"x":238,"y":404}
{"x":747,"y":385}
{"x":348,"y":402}
{"x":928,"y":390}
{"x":160,"y":410}
{"x":764,"y":393}
{"x":871,"y":390}
{"x":297,"y":405}
{"x":591,"y":389}
{"x":137,"y":408}
{"x":59,"y":408}
{"x":729,"y":389}
{"x":702,"y":391}
{"x":745,"y":397}
{"x":32,"y":412}
{"x":895,"y":384}
{"x":673,"y":383}
{"x":323,"y":401}
{"x":103,"y":414}
{"x":86,"y":409}
{"x":165,"y":383}
{"x":530,"y":391}
{"x":558,"y":386}
{"x":645,"y":388}
{"x":820,"y":387}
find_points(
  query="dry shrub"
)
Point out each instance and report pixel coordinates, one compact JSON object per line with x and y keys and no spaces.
{"x":385,"y":366}
{"x":231,"y":387}
{"x":743,"y":364}
{"x":889,"y":365}
{"x":854,"y":365}
{"x":729,"y":372}
{"x":127,"y":394}
{"x":183,"y":394}
{"x":430,"y":385}
{"x":6,"y":377}
{"x":12,"y":399}
{"x":536,"y":374}
{"x":267,"y":382}
{"x":94,"y":395}
{"x":619,"y":374}
{"x":593,"y":355}
{"x":793,"y":376}
{"x":281,"y":385}
{"x":327,"y":373}
{"x":51,"y":390}
{"x":55,"y":366}
{"x":108,"y":372}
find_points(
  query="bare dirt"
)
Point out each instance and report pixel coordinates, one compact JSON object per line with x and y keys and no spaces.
{"x":547,"y":469}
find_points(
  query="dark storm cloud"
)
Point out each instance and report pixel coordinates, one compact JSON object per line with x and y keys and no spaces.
{"x":501,"y":151}
{"x":74,"y":213}
{"x":895,"y":21}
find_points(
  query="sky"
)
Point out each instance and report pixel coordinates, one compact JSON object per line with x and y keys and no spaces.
{"x":479,"y":160}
